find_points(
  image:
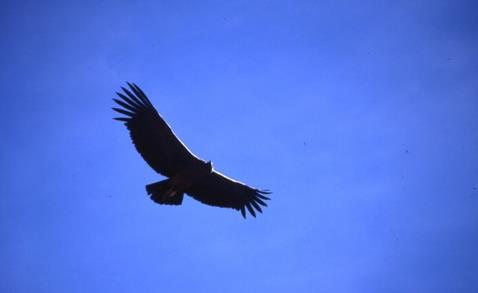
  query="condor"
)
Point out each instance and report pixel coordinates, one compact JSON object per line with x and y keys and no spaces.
{"x":168,"y":156}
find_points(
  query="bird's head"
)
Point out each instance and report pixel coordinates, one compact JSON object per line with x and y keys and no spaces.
{"x":209,"y":166}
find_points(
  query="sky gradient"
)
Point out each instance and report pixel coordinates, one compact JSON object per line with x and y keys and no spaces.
{"x":360,"y":116}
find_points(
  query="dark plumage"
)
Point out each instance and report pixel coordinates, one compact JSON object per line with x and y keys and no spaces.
{"x":167,"y":155}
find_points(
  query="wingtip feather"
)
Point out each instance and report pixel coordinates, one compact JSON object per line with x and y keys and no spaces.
{"x":256,"y":206}
{"x":243,"y":212}
{"x":260,"y":201}
{"x":139,"y":89}
{"x":139,"y":93}
{"x":122,"y":119}
{"x":126,"y":105}
{"x":133,"y":97}
{"x":250,"y":209}
{"x":127,"y":113}
{"x":259,"y":195}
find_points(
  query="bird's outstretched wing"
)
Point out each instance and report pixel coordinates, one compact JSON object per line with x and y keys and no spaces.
{"x":151,"y":135}
{"x":217,"y":189}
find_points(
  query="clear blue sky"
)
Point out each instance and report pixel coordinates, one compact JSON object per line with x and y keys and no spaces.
{"x":360,"y":116}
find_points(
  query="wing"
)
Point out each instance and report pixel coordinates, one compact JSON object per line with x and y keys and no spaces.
{"x":151,"y":135}
{"x":219,"y":190}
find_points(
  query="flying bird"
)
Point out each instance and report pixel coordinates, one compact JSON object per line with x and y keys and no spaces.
{"x":185,"y":172}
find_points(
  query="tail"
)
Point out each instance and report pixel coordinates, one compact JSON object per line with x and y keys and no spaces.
{"x":160,"y":192}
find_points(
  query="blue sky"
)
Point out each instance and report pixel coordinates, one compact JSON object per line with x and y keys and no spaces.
{"x":360,"y":116}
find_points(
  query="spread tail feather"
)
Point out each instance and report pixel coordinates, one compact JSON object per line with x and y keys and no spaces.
{"x":161,"y":192}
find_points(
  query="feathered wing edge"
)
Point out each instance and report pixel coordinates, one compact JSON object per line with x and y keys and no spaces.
{"x":255,"y":203}
{"x":131,"y":103}
{"x":221,"y":191}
